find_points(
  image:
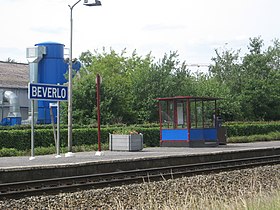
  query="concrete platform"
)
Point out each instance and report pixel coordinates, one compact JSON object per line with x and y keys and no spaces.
{"x":47,"y":166}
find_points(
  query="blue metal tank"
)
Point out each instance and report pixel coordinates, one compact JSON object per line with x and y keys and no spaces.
{"x":51,"y":70}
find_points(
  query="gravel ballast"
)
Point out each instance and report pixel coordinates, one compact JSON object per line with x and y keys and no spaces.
{"x":164,"y":194}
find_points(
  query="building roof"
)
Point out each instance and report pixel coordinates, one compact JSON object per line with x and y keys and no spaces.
{"x":14,"y":75}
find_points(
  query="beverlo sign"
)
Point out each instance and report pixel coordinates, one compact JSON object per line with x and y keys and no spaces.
{"x":47,"y":92}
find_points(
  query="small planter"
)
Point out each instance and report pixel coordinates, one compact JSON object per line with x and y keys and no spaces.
{"x":131,"y":142}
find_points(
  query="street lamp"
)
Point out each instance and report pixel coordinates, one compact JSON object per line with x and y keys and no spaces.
{"x":87,"y":3}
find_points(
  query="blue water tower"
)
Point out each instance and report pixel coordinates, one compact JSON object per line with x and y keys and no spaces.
{"x":51,"y":70}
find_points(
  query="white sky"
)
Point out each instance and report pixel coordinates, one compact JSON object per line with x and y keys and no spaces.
{"x":192,"y":27}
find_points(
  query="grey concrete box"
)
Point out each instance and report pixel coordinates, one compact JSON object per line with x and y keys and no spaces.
{"x":120,"y":142}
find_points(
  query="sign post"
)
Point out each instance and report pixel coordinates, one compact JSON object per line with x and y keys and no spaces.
{"x":58,"y":131}
{"x":32,"y":131}
{"x":46,"y":92}
{"x":98,"y":82}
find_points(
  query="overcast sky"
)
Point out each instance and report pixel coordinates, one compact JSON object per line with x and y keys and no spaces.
{"x":195,"y":28}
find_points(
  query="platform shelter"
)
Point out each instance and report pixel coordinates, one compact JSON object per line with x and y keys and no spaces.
{"x":190,"y":121}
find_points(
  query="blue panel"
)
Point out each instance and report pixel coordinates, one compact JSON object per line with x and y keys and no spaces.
{"x":10,"y":121}
{"x":15,"y":120}
{"x":210,"y":134}
{"x":196,"y":134}
{"x":171,"y":134}
{"x":203,"y":134}
{"x":44,"y":116}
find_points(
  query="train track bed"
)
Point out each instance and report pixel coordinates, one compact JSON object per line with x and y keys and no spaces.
{"x":74,"y":183}
{"x":195,"y":192}
{"x":46,"y":179}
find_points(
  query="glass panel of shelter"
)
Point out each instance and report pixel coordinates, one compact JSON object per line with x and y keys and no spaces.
{"x":209,"y":114}
{"x":167,"y":114}
{"x":202,"y":114}
{"x":181,"y":114}
{"x":173,"y":117}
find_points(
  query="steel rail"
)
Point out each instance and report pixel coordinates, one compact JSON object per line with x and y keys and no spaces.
{"x":74,"y":183}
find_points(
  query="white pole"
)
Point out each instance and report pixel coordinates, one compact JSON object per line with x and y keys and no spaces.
{"x":58,"y":131}
{"x":70,"y":141}
{"x":70,"y":153}
{"x":32,"y":131}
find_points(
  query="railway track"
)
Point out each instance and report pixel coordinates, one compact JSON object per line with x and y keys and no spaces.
{"x":74,"y":183}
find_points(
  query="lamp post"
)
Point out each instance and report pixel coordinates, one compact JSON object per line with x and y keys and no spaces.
{"x":97,"y":3}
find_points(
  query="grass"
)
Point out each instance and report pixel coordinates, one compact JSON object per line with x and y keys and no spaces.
{"x":9,"y":152}
{"x":267,"y":200}
{"x":272,"y":136}
{"x":245,"y":189}
{"x":261,"y":201}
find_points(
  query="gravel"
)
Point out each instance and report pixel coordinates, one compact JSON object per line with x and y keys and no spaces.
{"x":162,"y":195}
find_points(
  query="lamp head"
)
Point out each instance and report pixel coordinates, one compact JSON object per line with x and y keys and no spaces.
{"x":96,"y":3}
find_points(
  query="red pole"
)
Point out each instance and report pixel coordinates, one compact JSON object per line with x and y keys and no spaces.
{"x":189,"y":118}
{"x":160,"y":121}
{"x":167,"y":112}
{"x":175,"y":113}
{"x":98,"y":110}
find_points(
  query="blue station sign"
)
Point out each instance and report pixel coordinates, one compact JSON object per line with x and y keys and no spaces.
{"x":47,"y":92}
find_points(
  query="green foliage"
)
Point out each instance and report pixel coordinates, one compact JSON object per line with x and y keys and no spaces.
{"x":252,"y":81}
{"x":8,"y":152}
{"x":20,"y":139}
{"x":247,"y":129}
{"x":45,"y":150}
{"x":130,"y":86}
{"x":254,"y":138}
{"x":131,"y":83}
{"x":151,"y":136}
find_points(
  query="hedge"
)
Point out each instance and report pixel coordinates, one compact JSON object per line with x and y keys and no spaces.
{"x":248,"y":129}
{"x":20,"y":139}
{"x":85,"y":135}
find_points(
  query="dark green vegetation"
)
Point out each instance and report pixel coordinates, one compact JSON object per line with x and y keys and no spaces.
{"x":249,"y":85}
{"x":16,"y":140}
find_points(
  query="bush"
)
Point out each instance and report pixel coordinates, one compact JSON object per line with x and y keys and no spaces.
{"x":18,"y":137}
{"x":248,"y":129}
{"x":45,"y":150}
{"x":253,"y":138}
{"x":8,"y":152}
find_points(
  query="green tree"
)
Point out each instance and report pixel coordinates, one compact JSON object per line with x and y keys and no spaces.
{"x":259,"y":95}
{"x":130,"y":86}
{"x":249,"y":86}
{"x":164,"y":78}
{"x":114,"y":88}
{"x":252,"y":81}
{"x":227,"y":70}
{"x":226,"y":79}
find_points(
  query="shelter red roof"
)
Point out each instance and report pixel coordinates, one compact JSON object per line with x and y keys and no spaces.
{"x":198,"y":98}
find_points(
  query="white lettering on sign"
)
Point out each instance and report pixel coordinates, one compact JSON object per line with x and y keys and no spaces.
{"x":34,"y":90}
{"x":47,"y":92}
